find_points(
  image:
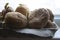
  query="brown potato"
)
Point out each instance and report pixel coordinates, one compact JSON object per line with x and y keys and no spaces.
{"x":38,"y":18}
{"x":6,"y":10}
{"x":15,"y":20}
{"x":22,"y":8}
{"x":49,"y":24}
{"x":51,"y":15}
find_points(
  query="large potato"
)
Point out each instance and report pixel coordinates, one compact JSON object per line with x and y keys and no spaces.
{"x":38,"y":18}
{"x":15,"y":20}
{"x":22,"y":8}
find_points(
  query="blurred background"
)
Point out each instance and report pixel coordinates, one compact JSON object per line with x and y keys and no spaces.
{"x":53,"y":5}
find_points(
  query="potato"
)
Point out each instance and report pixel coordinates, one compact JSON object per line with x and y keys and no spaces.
{"x":15,"y":20}
{"x":38,"y":18}
{"x":51,"y":15}
{"x":6,"y":10}
{"x":49,"y":24}
{"x":22,"y":8}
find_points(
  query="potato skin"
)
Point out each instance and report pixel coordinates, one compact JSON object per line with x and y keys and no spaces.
{"x":49,"y":24}
{"x":6,"y":10}
{"x":38,"y":18}
{"x":22,"y":8}
{"x":15,"y":20}
{"x":51,"y":15}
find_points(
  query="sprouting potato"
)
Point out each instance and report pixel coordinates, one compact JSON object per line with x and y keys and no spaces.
{"x":6,"y":10}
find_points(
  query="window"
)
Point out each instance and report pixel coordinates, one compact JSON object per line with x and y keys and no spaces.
{"x":54,"y":5}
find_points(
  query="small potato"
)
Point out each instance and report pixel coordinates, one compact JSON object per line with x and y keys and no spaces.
{"x":6,"y":10}
{"x":15,"y":20}
{"x":38,"y":18}
{"x":49,"y":24}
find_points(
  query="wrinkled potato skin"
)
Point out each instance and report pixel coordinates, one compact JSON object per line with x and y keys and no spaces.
{"x":51,"y":15}
{"x":49,"y":24}
{"x":38,"y":18}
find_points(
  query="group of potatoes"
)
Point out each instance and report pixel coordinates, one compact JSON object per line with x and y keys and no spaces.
{"x":23,"y":18}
